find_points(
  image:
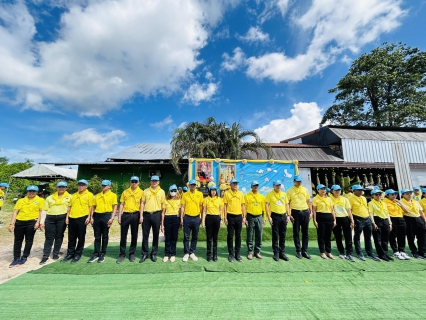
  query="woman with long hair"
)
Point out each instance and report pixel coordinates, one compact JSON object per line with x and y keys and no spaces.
{"x":212,"y":220}
{"x":170,"y":219}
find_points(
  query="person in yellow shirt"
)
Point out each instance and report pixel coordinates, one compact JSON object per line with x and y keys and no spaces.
{"x":278,"y":212}
{"x":190,"y":217}
{"x":415,"y":220}
{"x":256,"y":218}
{"x":417,"y":193}
{"x":103,"y":216}
{"x":301,"y":212}
{"x":422,"y":201}
{"x":344,"y":223}
{"x":24,"y":224}
{"x":212,"y":220}
{"x":55,"y":208}
{"x":348,"y":192}
{"x":382,"y":224}
{"x":3,"y":187}
{"x":362,"y":223}
{"x":234,"y":216}
{"x":79,"y":215}
{"x":128,"y":217}
{"x":150,"y":216}
{"x":170,"y":222}
{"x":397,"y":235}
{"x":324,"y":220}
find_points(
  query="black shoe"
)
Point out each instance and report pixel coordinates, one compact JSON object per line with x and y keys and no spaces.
{"x":143,"y":258}
{"x":153,"y":258}
{"x":67,"y":258}
{"x":389,"y":257}
{"x":417,"y":256}
{"x":55,"y":257}
{"x":306,"y":255}
{"x":120,"y":259}
{"x":238,"y":258}
{"x":209,"y":258}
{"x":283,"y":257}
{"x":44,"y":260}
{"x":230,"y":258}
{"x":350,"y":258}
{"x":384,"y":258}
{"x":132,"y":257}
{"x":76,"y":259}
{"x":101,"y":259}
{"x":93,"y":259}
{"x":276,"y":257}
{"x":298,"y":255}
{"x":373,"y":257}
{"x":215,"y":257}
{"x":361,"y":257}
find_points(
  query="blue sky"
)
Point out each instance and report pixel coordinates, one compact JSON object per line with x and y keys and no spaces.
{"x":83,"y":79}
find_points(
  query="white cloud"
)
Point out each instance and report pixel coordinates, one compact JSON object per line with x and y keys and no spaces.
{"x":254,"y":34}
{"x":91,"y":137}
{"x":105,"y":51}
{"x":197,"y":93}
{"x":209,"y":76}
{"x":304,"y":117}
{"x":271,"y":7}
{"x":161,"y":124}
{"x":337,"y":26}
{"x":232,"y":63}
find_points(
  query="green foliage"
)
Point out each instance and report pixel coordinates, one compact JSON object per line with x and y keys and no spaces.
{"x":94,"y":185}
{"x":7,"y":170}
{"x":383,"y":88}
{"x":214,"y":140}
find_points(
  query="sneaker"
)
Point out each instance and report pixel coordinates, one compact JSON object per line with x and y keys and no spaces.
{"x":417,"y":256}
{"x":165,"y":259}
{"x":230,"y":258}
{"x":93,"y":259}
{"x":250,"y":256}
{"x":209,"y":258}
{"x":404,"y":255}
{"x":44,"y":260}
{"x":373,"y":257}
{"x":101,"y":259}
{"x":132,"y":258}
{"x":55,"y":257}
{"x":193,"y":257}
{"x":120,"y":259}
{"x":22,"y":260}
{"x":185,"y":258}
{"x":361,"y":257}
{"x":238,"y":258}
{"x":76,"y":259}
{"x":342,"y":256}
{"x":172,"y":259}
{"x":215,"y":257}
{"x":350,"y":258}
{"x":14,"y":263}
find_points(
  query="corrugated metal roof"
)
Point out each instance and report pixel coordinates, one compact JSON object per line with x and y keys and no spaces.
{"x":385,"y":135}
{"x":43,"y":171}
{"x":293,"y":153}
{"x":145,"y":151}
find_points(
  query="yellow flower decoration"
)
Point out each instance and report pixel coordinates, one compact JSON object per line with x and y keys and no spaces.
{"x":244,"y":161}
{"x":271,"y":161}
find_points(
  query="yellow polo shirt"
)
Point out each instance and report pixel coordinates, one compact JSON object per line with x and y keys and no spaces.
{"x":131,"y":199}
{"x":53,"y":205}
{"x":234,"y":200}
{"x":153,"y":199}
{"x":80,"y":204}
{"x":378,"y":209}
{"x":413,"y":208}
{"x":255,"y":204}
{"x":359,"y":206}
{"x":172,"y":207}
{"x":417,"y":197}
{"x":341,"y":206}
{"x":213,"y":205}
{"x":1,"y":198}
{"x":104,"y":202}
{"x":422,"y":203}
{"x":298,"y":197}
{"x":323,"y":205}
{"x":348,"y":195}
{"x":29,"y":209}
{"x":393,"y":209}
{"x":277,"y":201}
{"x":192,"y":202}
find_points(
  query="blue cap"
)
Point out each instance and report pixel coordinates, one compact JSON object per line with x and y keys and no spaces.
{"x":155,"y":178}
{"x":83,"y":181}
{"x":406,"y":190}
{"x":233,"y":181}
{"x":423,"y":190}
{"x":32,"y":188}
{"x":321,"y":186}
{"x":357,"y":187}
{"x":328,"y":189}
{"x":212,"y":187}
{"x":416,"y":188}
{"x":390,"y":191}
{"x":185,"y":188}
{"x":173,"y":187}
{"x":106,"y":183}
{"x":134,"y":178}
{"x":336,"y":187}
{"x":276,"y":182}
{"x":62,"y":184}
{"x":192,"y":181}
{"x":254,"y":183}
{"x":180,"y":188}
{"x":4,"y":184}
{"x":298,"y":178}
{"x":374,"y":191}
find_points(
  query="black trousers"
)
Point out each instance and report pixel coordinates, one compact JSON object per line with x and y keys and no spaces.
{"x":171,"y":229}
{"x":381,"y":236}
{"x":363,"y":225}
{"x":129,"y":220}
{"x":23,"y":229}
{"x":54,"y":229}
{"x":397,"y":234}
{"x":301,"y":221}
{"x":415,"y":229}
{"x":325,"y":223}
{"x":150,"y":220}
{"x":343,"y":225}
{"x":191,"y":226}
{"x":101,"y":232}
{"x":235,"y":225}
{"x":76,"y":236}
{"x":279,"y":230}
{"x":212,"y":230}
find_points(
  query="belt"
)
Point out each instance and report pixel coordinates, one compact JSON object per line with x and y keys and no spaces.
{"x":192,"y":217}
{"x":299,"y":210}
{"x":254,"y":215}
{"x":134,"y":212}
{"x":324,"y":212}
{"x":278,"y":214}
{"x":101,"y":213}
{"x":153,"y":212}
{"x":358,"y":217}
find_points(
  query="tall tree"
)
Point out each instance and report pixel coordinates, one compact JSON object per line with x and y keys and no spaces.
{"x":383,"y":88}
{"x":210,"y":139}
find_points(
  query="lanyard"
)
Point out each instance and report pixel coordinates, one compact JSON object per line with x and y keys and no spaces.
{"x":324,"y":200}
{"x":172,"y":205}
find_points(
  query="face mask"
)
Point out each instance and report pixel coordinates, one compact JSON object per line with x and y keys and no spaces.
{"x":173,"y":194}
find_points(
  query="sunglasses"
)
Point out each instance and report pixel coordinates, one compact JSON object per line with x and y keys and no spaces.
{"x":134,"y":181}
{"x":31,"y":191}
{"x":61,"y":187}
{"x":104,"y":185}
{"x":173,"y":190}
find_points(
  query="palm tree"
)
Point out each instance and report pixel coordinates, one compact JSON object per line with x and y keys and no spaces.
{"x":214,"y":140}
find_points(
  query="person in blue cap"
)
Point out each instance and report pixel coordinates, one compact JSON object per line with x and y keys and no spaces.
{"x":422,"y":201}
{"x":24,"y":224}
{"x":3,"y":186}
{"x":417,"y":193}
{"x":55,"y":207}
{"x":212,"y":220}
{"x":170,"y":223}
